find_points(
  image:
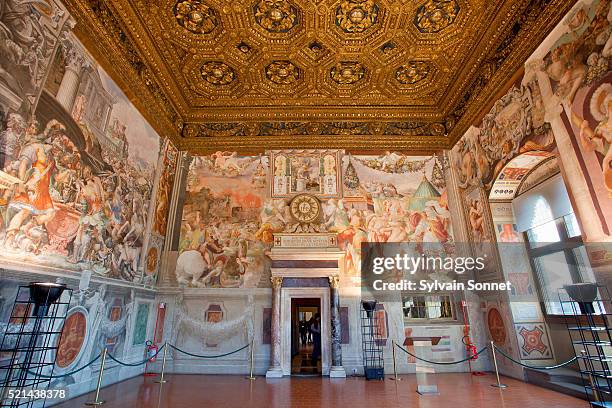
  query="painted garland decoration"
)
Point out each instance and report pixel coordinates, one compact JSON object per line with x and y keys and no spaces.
{"x":195,"y":16}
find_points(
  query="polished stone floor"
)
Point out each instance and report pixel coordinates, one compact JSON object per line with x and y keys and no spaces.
{"x":302,"y":364}
{"x":194,"y":391}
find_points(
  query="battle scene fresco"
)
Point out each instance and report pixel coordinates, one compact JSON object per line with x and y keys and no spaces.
{"x":221,"y":243}
{"x":77,"y":174}
{"x":230,"y":216}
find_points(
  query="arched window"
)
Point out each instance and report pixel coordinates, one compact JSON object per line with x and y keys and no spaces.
{"x":554,"y":240}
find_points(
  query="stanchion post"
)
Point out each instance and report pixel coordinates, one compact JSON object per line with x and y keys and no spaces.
{"x":395,"y":377}
{"x":499,"y":384}
{"x":161,"y":376}
{"x":97,"y":401}
{"x":591,"y":380}
{"x":252,"y":361}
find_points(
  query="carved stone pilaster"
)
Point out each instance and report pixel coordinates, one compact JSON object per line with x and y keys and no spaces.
{"x":275,"y":370}
{"x":336,"y":329}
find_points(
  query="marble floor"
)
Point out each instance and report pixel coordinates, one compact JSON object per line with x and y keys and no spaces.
{"x":456,"y":390}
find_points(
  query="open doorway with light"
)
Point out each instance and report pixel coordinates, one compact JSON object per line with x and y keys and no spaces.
{"x":306,"y":336}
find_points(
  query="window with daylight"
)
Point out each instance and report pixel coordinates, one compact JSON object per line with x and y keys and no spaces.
{"x":427,"y":307}
{"x":559,"y":258}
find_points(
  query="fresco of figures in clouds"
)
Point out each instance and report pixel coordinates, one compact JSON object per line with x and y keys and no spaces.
{"x":578,"y":66}
{"x":77,"y":174}
{"x":229,"y":217}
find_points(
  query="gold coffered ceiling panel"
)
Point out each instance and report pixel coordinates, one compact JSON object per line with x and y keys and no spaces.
{"x":252,"y":74}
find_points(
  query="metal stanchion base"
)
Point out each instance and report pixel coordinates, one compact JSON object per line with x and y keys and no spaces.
{"x":427,"y":389}
{"x":395,"y":378}
{"x":160,"y":381}
{"x":94,"y":403}
{"x":251,"y":378}
{"x":499,"y":385}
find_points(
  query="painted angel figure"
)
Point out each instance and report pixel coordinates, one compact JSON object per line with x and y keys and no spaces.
{"x":599,"y":139}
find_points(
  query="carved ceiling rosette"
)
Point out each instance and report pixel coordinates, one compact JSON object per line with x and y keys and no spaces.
{"x":217,"y":73}
{"x":282,"y":72}
{"x":412,"y":72}
{"x":435,"y":15}
{"x":195,"y":16}
{"x":356,"y":16}
{"x":346,"y":73}
{"x":276,"y":16}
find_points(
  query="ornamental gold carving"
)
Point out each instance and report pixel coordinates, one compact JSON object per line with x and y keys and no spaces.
{"x":347,"y":73}
{"x":435,"y":15}
{"x":277,"y":282}
{"x":217,"y":73}
{"x":195,"y":16}
{"x":356,"y":16}
{"x":305,"y":208}
{"x":159,"y":57}
{"x":282,"y":72}
{"x":412,"y":72}
{"x":276,"y":16}
{"x":334,"y":281}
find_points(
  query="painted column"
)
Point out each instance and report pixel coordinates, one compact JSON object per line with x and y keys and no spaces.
{"x":167,"y":276}
{"x":275,"y":370}
{"x":336,"y":331}
{"x":69,"y":86}
{"x":572,"y":173}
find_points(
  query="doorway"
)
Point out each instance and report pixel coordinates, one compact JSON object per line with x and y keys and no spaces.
{"x":306,"y":337}
{"x":288,"y":295}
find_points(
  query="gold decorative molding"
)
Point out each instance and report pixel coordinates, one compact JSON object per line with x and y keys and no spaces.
{"x":277,"y":282}
{"x":334,"y":281}
{"x":411,"y":77}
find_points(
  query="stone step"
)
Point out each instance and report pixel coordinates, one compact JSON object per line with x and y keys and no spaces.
{"x":563,"y":380}
{"x":562,"y":374}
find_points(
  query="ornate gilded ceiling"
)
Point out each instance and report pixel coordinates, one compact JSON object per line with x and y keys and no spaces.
{"x":255,"y":74}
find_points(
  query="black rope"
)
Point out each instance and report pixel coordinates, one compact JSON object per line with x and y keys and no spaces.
{"x":139,"y":363}
{"x":201,"y":356}
{"x":442,"y":363}
{"x":66,"y":374}
{"x":535,"y":367}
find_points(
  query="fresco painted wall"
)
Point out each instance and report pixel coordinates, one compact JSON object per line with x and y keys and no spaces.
{"x":563,"y":96}
{"x":78,"y":174}
{"x":229,"y":216}
{"x":578,"y":66}
{"x":78,"y":168}
{"x":235,"y":204}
